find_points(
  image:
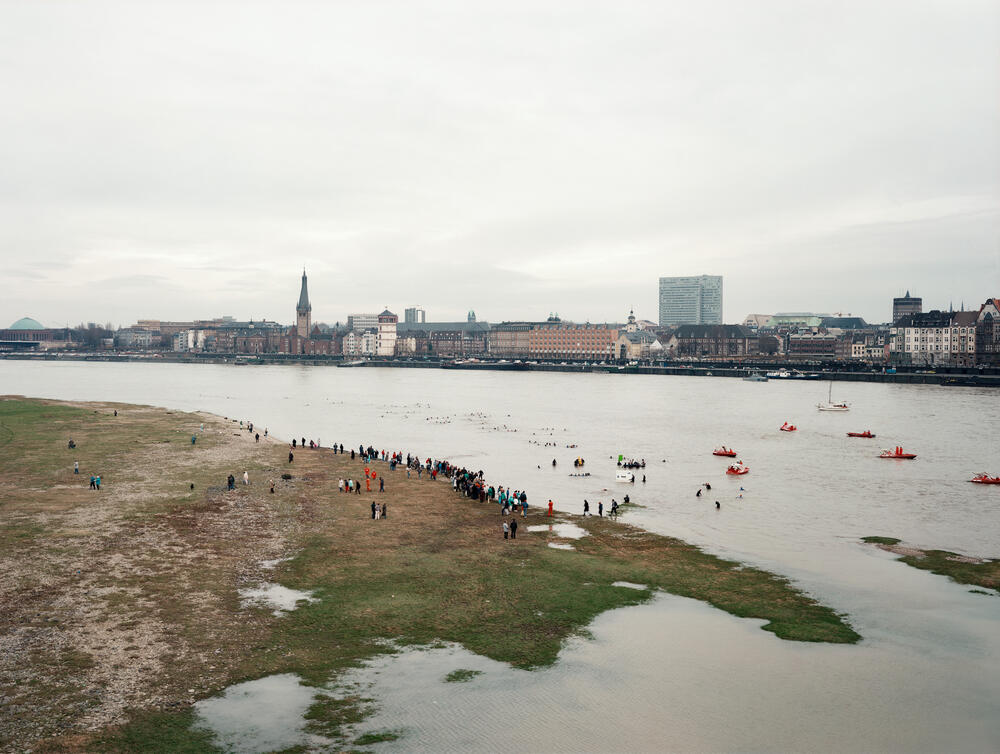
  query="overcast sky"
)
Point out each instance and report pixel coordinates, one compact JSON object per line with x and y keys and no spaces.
{"x":182,"y":161}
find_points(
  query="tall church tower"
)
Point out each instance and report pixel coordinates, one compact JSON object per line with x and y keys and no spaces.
{"x":303,"y":312}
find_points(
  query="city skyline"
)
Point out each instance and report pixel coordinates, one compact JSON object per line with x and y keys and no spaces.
{"x":161,"y":163}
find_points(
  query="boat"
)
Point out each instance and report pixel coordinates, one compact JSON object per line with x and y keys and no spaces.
{"x":781,"y":374}
{"x":755,"y":377}
{"x":830,"y":405}
{"x":985,"y":479}
{"x":866,"y":433}
{"x":738,"y":469}
{"x":897,"y":452}
{"x":724,"y":451}
{"x":786,"y":427}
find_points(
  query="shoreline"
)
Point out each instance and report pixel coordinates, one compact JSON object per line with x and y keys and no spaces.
{"x":942,"y":375}
{"x":134,"y":591}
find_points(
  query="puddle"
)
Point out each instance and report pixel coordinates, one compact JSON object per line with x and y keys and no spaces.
{"x":281,"y":598}
{"x":566,"y":531}
{"x":561,"y":546}
{"x":260,"y":716}
{"x":630,"y":585}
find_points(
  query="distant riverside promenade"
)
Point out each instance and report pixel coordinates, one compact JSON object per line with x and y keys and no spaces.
{"x":946,"y":375}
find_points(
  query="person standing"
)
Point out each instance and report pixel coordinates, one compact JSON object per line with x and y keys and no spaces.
{"x":373,"y":510}
{"x":381,"y":484}
{"x":76,"y":467}
{"x":256,"y":437}
{"x":93,"y":486}
{"x":291,"y":456}
{"x":513,"y":528}
{"x":550,"y":506}
{"x":586,"y":508}
{"x":506,"y":530}
{"x":385,"y":510}
{"x":600,"y":509}
{"x":97,"y":481}
{"x":246,"y":477}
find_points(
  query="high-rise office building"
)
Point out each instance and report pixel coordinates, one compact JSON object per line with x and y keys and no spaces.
{"x":905,"y":305}
{"x":414,"y":315}
{"x":691,"y":300}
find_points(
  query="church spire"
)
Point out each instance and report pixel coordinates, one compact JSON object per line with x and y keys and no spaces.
{"x":304,"y":305}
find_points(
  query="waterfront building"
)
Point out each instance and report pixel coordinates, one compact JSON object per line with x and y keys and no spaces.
{"x":716,"y":341}
{"x":635,"y":342}
{"x":568,"y":341}
{"x":509,"y":340}
{"x":303,"y":311}
{"x":988,"y":333}
{"x":443,"y":339}
{"x":691,"y":300}
{"x":135,"y":338}
{"x":27,"y":334}
{"x":906,"y":305}
{"x":934,"y":337}
{"x":414,"y":315}
{"x":816,"y":345}
{"x":386,"y":340}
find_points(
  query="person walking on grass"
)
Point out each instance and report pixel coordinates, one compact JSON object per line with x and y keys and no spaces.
{"x":93,"y":485}
{"x":381,"y":484}
{"x":291,"y":456}
{"x":586,"y":508}
{"x":246,"y":477}
{"x":513,"y":528}
{"x":97,"y":481}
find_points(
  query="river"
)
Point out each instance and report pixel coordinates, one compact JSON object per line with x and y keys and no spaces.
{"x":674,"y":674}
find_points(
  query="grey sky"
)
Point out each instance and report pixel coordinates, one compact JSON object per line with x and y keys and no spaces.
{"x":186,"y":160}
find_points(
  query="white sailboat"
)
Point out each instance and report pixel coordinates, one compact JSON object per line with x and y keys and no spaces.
{"x":830,"y":405}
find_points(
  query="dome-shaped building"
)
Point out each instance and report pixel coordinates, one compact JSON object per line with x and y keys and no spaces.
{"x":27,"y":323}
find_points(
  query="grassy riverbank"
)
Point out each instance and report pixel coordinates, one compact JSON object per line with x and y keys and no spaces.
{"x":124,"y":602}
{"x":962,"y":569}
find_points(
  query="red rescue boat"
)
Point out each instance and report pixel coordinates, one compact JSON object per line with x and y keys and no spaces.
{"x":985,"y":479}
{"x":724,"y":451}
{"x":738,"y":468}
{"x":866,"y":433}
{"x":897,"y":452}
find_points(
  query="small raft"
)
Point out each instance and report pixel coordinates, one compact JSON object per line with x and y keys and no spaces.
{"x":897,"y":452}
{"x":985,"y":479}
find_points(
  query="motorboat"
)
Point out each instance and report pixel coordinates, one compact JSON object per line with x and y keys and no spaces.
{"x":724,"y":451}
{"x":985,"y":479}
{"x":866,"y":433}
{"x":830,"y":405}
{"x":755,"y":377}
{"x":786,"y":427}
{"x":781,"y":374}
{"x":738,"y":469}
{"x":897,"y":452}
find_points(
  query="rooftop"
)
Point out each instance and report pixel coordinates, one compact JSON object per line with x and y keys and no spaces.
{"x":27,"y":323}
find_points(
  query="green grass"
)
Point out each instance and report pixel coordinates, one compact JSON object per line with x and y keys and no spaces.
{"x":953,"y":565}
{"x":374,"y":738}
{"x":881,"y":540}
{"x":461,"y":675}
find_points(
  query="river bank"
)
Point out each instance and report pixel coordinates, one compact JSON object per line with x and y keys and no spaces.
{"x":944,"y":375}
{"x":126,"y":601}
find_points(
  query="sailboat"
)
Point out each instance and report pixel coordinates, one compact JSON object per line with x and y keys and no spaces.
{"x":830,"y":405}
